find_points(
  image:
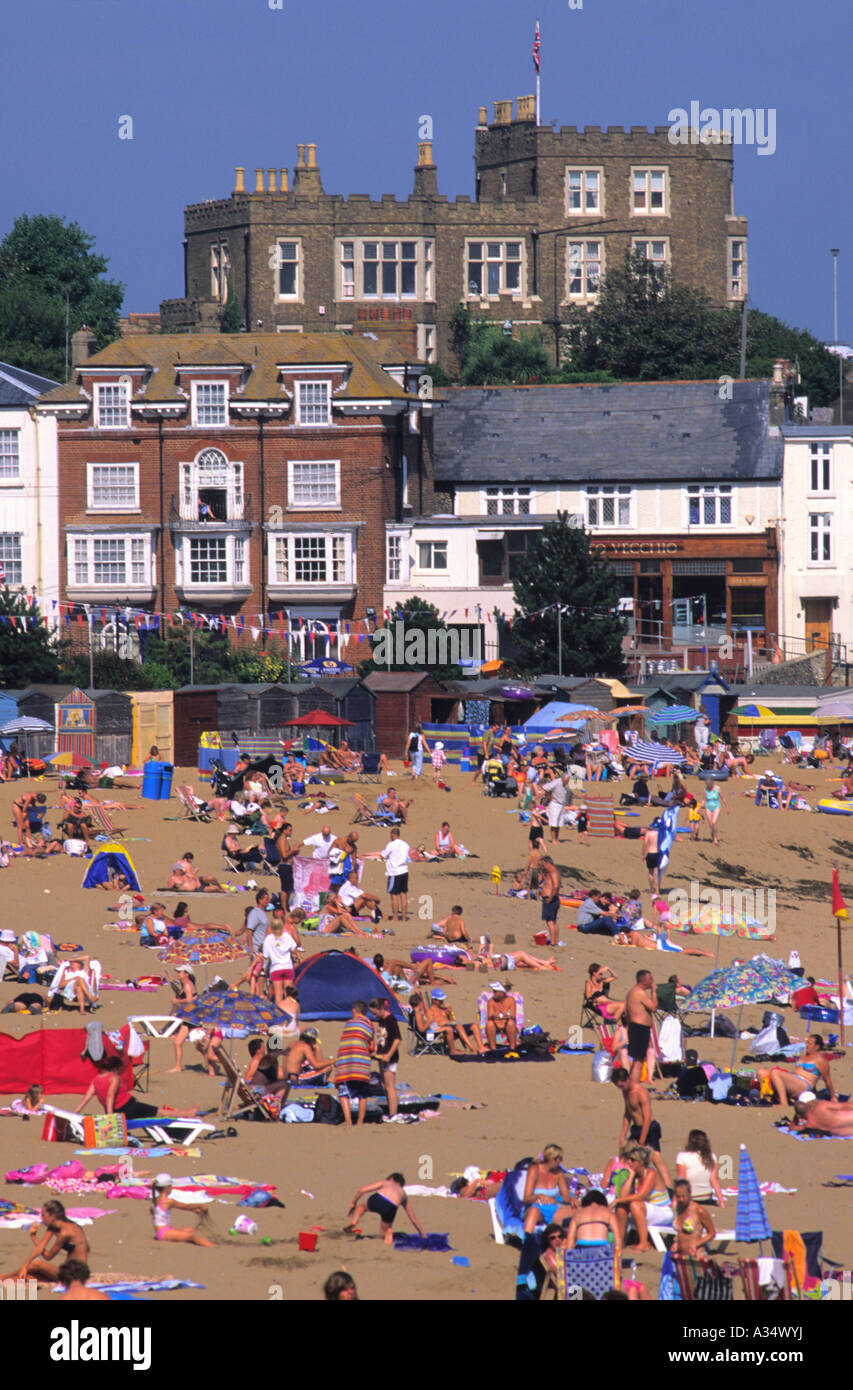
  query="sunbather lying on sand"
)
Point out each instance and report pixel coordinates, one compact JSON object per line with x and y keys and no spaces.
{"x":828,"y":1116}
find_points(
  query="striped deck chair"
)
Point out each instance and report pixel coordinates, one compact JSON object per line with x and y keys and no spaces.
{"x":101,"y":816}
{"x":602,"y":820}
{"x":193,"y":806}
{"x":769,"y":1280}
{"x":237,"y":1092}
{"x":592,"y":1269}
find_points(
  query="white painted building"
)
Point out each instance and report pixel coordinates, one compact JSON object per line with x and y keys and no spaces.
{"x":29,"y":489}
{"x":680,"y":488}
{"x":816,"y":582}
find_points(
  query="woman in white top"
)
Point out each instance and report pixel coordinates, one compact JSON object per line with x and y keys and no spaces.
{"x":698,"y":1165}
{"x":278,"y":949}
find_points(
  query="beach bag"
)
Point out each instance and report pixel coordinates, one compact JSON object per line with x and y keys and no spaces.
{"x":78,"y":849}
{"x":723,"y":1027}
{"x":328,"y":1111}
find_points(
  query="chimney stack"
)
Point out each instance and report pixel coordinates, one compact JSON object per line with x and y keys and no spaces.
{"x":82,"y":346}
{"x":306,"y":179}
{"x":300,"y":157}
{"x":426,"y":174}
{"x":259,"y":180}
{"x":240,"y":179}
{"x":482,"y":118}
{"x":503,"y":112}
{"x":525,"y":108}
{"x":271,"y":180}
{"x":285,"y":186}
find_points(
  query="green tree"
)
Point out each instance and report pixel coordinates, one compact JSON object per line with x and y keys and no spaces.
{"x":392,"y":642}
{"x":646,"y":327}
{"x":43,"y":260}
{"x":232,"y":319}
{"x":561,"y":568}
{"x":494,"y":358}
{"x":28,"y":656}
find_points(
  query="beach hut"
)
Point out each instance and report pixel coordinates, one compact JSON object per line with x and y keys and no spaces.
{"x":75,"y":724}
{"x":403,"y":699}
{"x":96,"y":724}
{"x":111,"y":859}
{"x":330,"y":982}
{"x":196,"y":711}
{"x":153,"y":724}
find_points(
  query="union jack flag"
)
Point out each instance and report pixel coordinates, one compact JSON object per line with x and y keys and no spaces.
{"x":536,"y":49}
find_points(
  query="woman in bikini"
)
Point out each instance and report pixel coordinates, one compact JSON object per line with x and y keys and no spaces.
{"x":596,"y":992}
{"x":62,"y":1236}
{"x":644,"y":1197}
{"x":547,"y":1195}
{"x":806,"y":1075}
{"x":595,"y":1224}
{"x":162,"y":1206}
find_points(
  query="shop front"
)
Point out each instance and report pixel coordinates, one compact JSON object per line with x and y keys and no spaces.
{"x":676,"y":585}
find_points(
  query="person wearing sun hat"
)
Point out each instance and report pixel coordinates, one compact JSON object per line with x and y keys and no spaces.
{"x":438,"y":758}
{"x":501,"y":1016}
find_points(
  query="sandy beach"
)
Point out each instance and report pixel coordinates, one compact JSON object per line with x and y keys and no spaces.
{"x":521,"y":1107}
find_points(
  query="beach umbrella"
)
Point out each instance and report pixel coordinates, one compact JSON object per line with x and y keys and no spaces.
{"x":236,"y":1014}
{"x":751,"y":1219}
{"x":746,"y":982}
{"x":25,"y":724}
{"x":69,"y":759}
{"x":586,"y":716}
{"x":675,"y":714}
{"x":837,"y":708}
{"x":712,"y":921}
{"x":319,"y":719}
{"x":654,"y":754}
{"x":755,"y":712}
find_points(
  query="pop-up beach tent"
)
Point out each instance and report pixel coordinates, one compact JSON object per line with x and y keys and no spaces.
{"x":330,"y":983}
{"x":111,"y":859}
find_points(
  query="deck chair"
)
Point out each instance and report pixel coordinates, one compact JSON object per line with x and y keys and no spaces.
{"x":769,"y":1280}
{"x":156,"y":1025}
{"x":423,"y":1044}
{"x":103,"y":821}
{"x":249,"y":1105}
{"x":595,"y":1270}
{"x":366,"y":815}
{"x":700,"y":1280}
{"x":600,"y":816}
{"x":482,"y":1005}
{"x":194,"y":808}
{"x":369,"y":770}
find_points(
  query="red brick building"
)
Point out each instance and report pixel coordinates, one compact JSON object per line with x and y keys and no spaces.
{"x":242,"y":476}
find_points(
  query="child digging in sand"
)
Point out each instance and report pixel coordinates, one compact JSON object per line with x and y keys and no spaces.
{"x":385,"y":1201}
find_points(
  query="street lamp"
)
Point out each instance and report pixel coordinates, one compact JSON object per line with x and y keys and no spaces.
{"x":834,"y":254}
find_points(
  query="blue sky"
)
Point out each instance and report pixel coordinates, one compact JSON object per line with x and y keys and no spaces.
{"x":215,"y":83}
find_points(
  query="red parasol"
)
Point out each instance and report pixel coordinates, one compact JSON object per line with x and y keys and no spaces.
{"x":319,"y":719}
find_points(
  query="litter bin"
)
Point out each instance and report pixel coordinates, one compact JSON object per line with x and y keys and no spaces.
{"x":166,"y":782}
{"x":152,"y":780}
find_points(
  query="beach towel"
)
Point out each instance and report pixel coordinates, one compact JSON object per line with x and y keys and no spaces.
{"x":667,"y":825}
{"x":433,"y":1241}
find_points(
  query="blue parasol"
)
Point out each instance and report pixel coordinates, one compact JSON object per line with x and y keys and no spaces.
{"x":237,"y":1014}
{"x":751,"y":1220}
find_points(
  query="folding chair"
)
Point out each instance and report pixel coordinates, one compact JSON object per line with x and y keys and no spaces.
{"x":769,"y":1280}
{"x":236,"y":1089}
{"x":420,"y":1044}
{"x":194,"y":808}
{"x":365,"y":815}
{"x":369,"y":771}
{"x":593,"y":1270}
{"x":693,"y":1281}
{"x":156,"y":1025}
{"x":102,"y":819}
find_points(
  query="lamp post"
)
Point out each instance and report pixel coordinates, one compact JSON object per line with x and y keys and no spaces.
{"x":834,"y":254}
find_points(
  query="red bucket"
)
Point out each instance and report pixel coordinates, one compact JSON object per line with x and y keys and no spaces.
{"x":307,"y":1240}
{"x":540,"y":938}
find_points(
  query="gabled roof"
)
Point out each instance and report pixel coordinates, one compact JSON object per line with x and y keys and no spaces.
{"x":401,"y":681}
{"x":20,"y":388}
{"x":634,"y":433}
{"x":261,"y":357}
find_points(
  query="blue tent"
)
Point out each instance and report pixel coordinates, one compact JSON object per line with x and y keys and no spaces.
{"x":546,"y":718}
{"x":112,"y":859}
{"x":330,"y":982}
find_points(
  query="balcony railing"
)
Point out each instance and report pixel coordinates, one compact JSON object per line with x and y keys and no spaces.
{"x":184,"y":516}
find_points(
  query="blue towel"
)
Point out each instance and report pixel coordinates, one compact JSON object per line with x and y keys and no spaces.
{"x":433,"y":1240}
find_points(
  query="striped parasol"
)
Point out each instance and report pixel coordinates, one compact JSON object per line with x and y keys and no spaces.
{"x":675,"y":714}
{"x":654,"y":754}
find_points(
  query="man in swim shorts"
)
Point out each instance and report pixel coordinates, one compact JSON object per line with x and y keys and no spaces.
{"x":549,"y":892}
{"x":640,"y":1004}
{"x":650,"y":851}
{"x":637,"y":1122}
{"x":384,"y":1201}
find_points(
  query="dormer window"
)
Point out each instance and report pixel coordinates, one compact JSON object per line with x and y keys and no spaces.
{"x":112,"y":406}
{"x":313,"y":403}
{"x":210,"y":403}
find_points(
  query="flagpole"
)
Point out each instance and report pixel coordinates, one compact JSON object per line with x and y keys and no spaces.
{"x":839,"y":912}
{"x":538,"y":84}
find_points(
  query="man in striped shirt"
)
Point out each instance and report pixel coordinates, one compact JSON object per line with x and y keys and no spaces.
{"x":352,"y":1064}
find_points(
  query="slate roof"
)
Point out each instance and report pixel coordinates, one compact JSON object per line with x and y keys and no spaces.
{"x":20,"y":388}
{"x":639,"y":432}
